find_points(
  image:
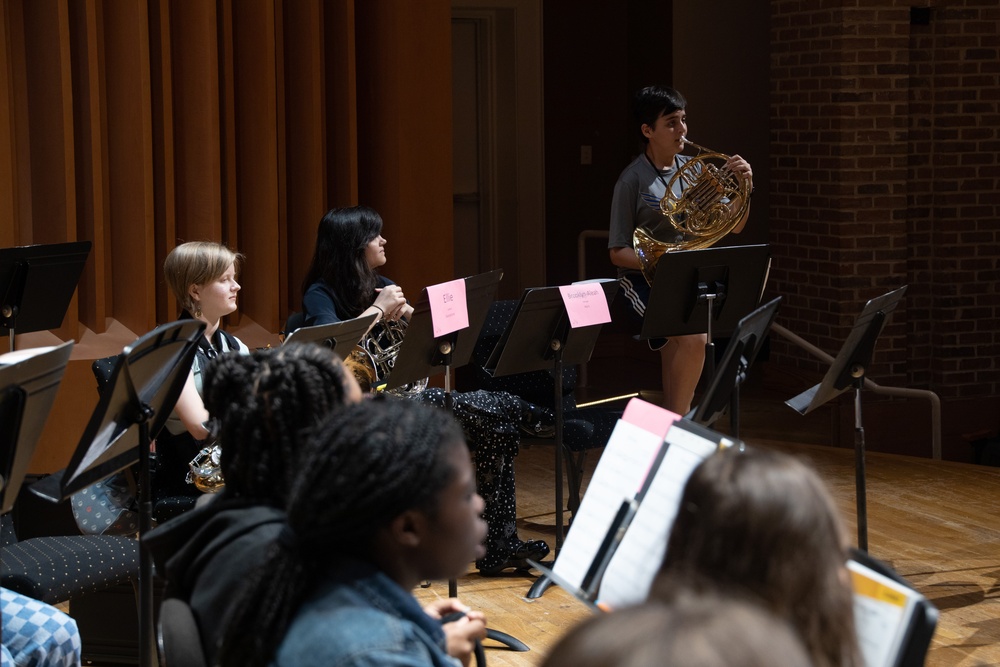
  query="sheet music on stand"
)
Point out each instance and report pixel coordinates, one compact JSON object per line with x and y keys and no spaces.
{"x":893,"y":621}
{"x":341,"y":337}
{"x":29,"y":381}
{"x":669,"y":449}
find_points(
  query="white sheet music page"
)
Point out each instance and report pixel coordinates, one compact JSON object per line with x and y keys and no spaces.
{"x":634,"y":566}
{"x":882,"y":612}
{"x":618,"y":475}
{"x":16,"y":357}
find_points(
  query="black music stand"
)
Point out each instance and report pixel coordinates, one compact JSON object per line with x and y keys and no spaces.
{"x":847,"y":371}
{"x":29,"y":382}
{"x":422,"y":355}
{"x":724,"y":387}
{"x":341,"y":337}
{"x":539,"y":337}
{"x":37,"y":283}
{"x":705,"y":291}
{"x":146,"y":381}
{"x":430,"y":356}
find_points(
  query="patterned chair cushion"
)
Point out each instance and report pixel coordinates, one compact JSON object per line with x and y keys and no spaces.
{"x":7,"y":534}
{"x":55,"y":569}
{"x":171,"y":506}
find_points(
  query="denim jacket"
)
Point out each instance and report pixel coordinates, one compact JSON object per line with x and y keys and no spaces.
{"x":360,"y":617}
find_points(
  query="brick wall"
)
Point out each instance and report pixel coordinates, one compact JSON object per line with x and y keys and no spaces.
{"x":885,"y":159}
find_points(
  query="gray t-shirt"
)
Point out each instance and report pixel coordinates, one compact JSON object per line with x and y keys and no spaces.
{"x":636,"y":201}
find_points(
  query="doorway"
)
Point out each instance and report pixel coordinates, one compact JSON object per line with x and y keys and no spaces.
{"x":498,"y":162}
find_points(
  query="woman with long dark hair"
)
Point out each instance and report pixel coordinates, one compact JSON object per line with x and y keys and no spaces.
{"x":343,"y":282}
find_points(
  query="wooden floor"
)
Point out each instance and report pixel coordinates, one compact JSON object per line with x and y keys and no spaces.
{"x":937,"y":523}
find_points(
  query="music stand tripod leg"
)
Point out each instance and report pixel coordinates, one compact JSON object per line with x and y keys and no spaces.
{"x":558,"y":407}
{"x":542,"y":583}
{"x":859,"y":469}
{"x":147,"y":644}
{"x":449,"y":405}
{"x":501,"y":637}
{"x":511,"y":642}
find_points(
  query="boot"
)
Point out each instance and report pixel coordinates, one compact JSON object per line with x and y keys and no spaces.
{"x":536,"y":421}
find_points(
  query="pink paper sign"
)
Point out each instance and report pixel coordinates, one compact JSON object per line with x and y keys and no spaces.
{"x":649,"y":417}
{"x":585,"y":304}
{"x":449,"y":309}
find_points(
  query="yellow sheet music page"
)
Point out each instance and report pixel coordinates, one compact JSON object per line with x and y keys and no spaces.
{"x":882,"y":610}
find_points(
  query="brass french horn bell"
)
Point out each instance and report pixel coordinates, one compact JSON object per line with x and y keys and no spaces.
{"x":376,"y":353}
{"x":712,"y":201}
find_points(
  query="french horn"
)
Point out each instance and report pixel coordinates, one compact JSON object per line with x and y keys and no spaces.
{"x":376,"y":354}
{"x":204,"y":470}
{"x":371,"y":362}
{"x":712,"y":201}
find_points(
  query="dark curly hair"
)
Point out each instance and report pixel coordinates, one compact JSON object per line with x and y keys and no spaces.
{"x":262,"y":403}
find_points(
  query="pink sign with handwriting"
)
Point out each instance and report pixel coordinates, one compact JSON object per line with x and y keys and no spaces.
{"x":650,"y":417}
{"x":585,"y":304}
{"x":449,"y":309}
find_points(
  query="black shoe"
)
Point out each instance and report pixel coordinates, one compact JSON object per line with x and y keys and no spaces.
{"x":537,"y":422}
{"x":534,"y":550}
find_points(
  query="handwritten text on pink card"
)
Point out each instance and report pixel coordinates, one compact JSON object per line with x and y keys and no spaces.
{"x":650,"y":417}
{"x":585,"y":304}
{"x":449,"y":309}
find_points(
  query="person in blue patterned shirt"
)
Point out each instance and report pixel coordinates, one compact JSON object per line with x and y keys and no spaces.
{"x":36,"y":634}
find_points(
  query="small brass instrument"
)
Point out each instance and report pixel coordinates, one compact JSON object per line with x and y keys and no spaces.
{"x":377,"y":352}
{"x":712,"y":201}
{"x":371,"y":361}
{"x":204,"y":470}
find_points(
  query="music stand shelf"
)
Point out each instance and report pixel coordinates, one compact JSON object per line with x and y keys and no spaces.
{"x":705,"y":291}
{"x":423,"y":355}
{"x":29,"y":381}
{"x":724,"y":387}
{"x":539,"y":337}
{"x":341,"y":337}
{"x":846,"y":372}
{"x":37,"y":284}
{"x":146,"y":381}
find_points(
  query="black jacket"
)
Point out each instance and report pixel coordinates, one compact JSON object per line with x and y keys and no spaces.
{"x":206,"y":555}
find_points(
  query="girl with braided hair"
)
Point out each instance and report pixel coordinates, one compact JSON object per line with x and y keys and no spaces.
{"x":385,"y":498}
{"x":261,"y":404}
{"x":343,"y":283}
{"x":761,"y":524}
